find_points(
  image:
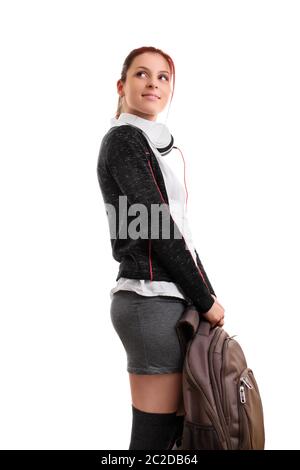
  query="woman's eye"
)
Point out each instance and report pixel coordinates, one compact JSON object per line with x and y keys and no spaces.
{"x":139,"y":73}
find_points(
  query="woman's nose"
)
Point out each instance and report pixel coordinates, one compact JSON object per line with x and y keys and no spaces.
{"x":153,"y":84}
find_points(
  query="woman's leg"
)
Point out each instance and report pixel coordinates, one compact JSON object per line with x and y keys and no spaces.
{"x":157,"y":410}
{"x":157,"y":393}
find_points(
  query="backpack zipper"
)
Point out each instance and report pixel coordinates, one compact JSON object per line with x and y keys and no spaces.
{"x":245,"y":380}
{"x":217,"y":393}
{"x":224,"y":392}
{"x":210,"y":412}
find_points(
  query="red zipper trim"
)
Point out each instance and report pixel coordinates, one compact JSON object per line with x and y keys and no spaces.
{"x":156,"y":182}
{"x":149,"y":244}
{"x":202,"y":277}
{"x":150,"y":261}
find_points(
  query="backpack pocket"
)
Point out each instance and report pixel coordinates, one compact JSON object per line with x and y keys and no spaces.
{"x":199,"y":437}
{"x":251,"y":420}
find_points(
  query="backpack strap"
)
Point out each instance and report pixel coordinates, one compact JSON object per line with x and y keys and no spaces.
{"x":190,"y":324}
{"x":187,"y":326}
{"x":204,"y":327}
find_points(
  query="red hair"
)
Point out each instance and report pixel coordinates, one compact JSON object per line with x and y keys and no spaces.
{"x":128,"y":61}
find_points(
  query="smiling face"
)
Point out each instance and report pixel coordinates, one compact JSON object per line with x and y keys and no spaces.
{"x":149,"y":74}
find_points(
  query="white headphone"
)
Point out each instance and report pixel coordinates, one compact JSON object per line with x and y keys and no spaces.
{"x":157,"y":132}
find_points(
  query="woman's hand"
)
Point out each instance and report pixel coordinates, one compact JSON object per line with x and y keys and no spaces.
{"x":215,"y":315}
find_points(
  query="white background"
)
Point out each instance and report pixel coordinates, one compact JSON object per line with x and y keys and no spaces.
{"x":235,"y":116}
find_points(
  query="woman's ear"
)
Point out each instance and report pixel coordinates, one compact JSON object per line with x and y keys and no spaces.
{"x":120,"y":88}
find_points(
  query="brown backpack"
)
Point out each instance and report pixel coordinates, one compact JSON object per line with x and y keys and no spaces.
{"x":223,"y":408}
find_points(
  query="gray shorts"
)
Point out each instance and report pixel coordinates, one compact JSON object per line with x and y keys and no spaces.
{"x":146,"y":327}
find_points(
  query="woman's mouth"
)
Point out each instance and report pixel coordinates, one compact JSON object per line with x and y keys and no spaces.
{"x":151,"y":97}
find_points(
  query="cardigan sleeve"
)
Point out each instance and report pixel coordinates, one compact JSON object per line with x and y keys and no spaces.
{"x":129,"y":166}
{"x":204,"y":274}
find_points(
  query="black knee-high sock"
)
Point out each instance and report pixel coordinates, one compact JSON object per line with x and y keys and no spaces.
{"x":180,"y":423}
{"x":179,"y":427}
{"x":153,"y":430}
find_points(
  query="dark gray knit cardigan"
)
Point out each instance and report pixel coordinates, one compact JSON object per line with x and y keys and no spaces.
{"x":127,"y":166}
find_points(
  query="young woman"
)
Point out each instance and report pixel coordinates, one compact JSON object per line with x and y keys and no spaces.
{"x":159,"y":273}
